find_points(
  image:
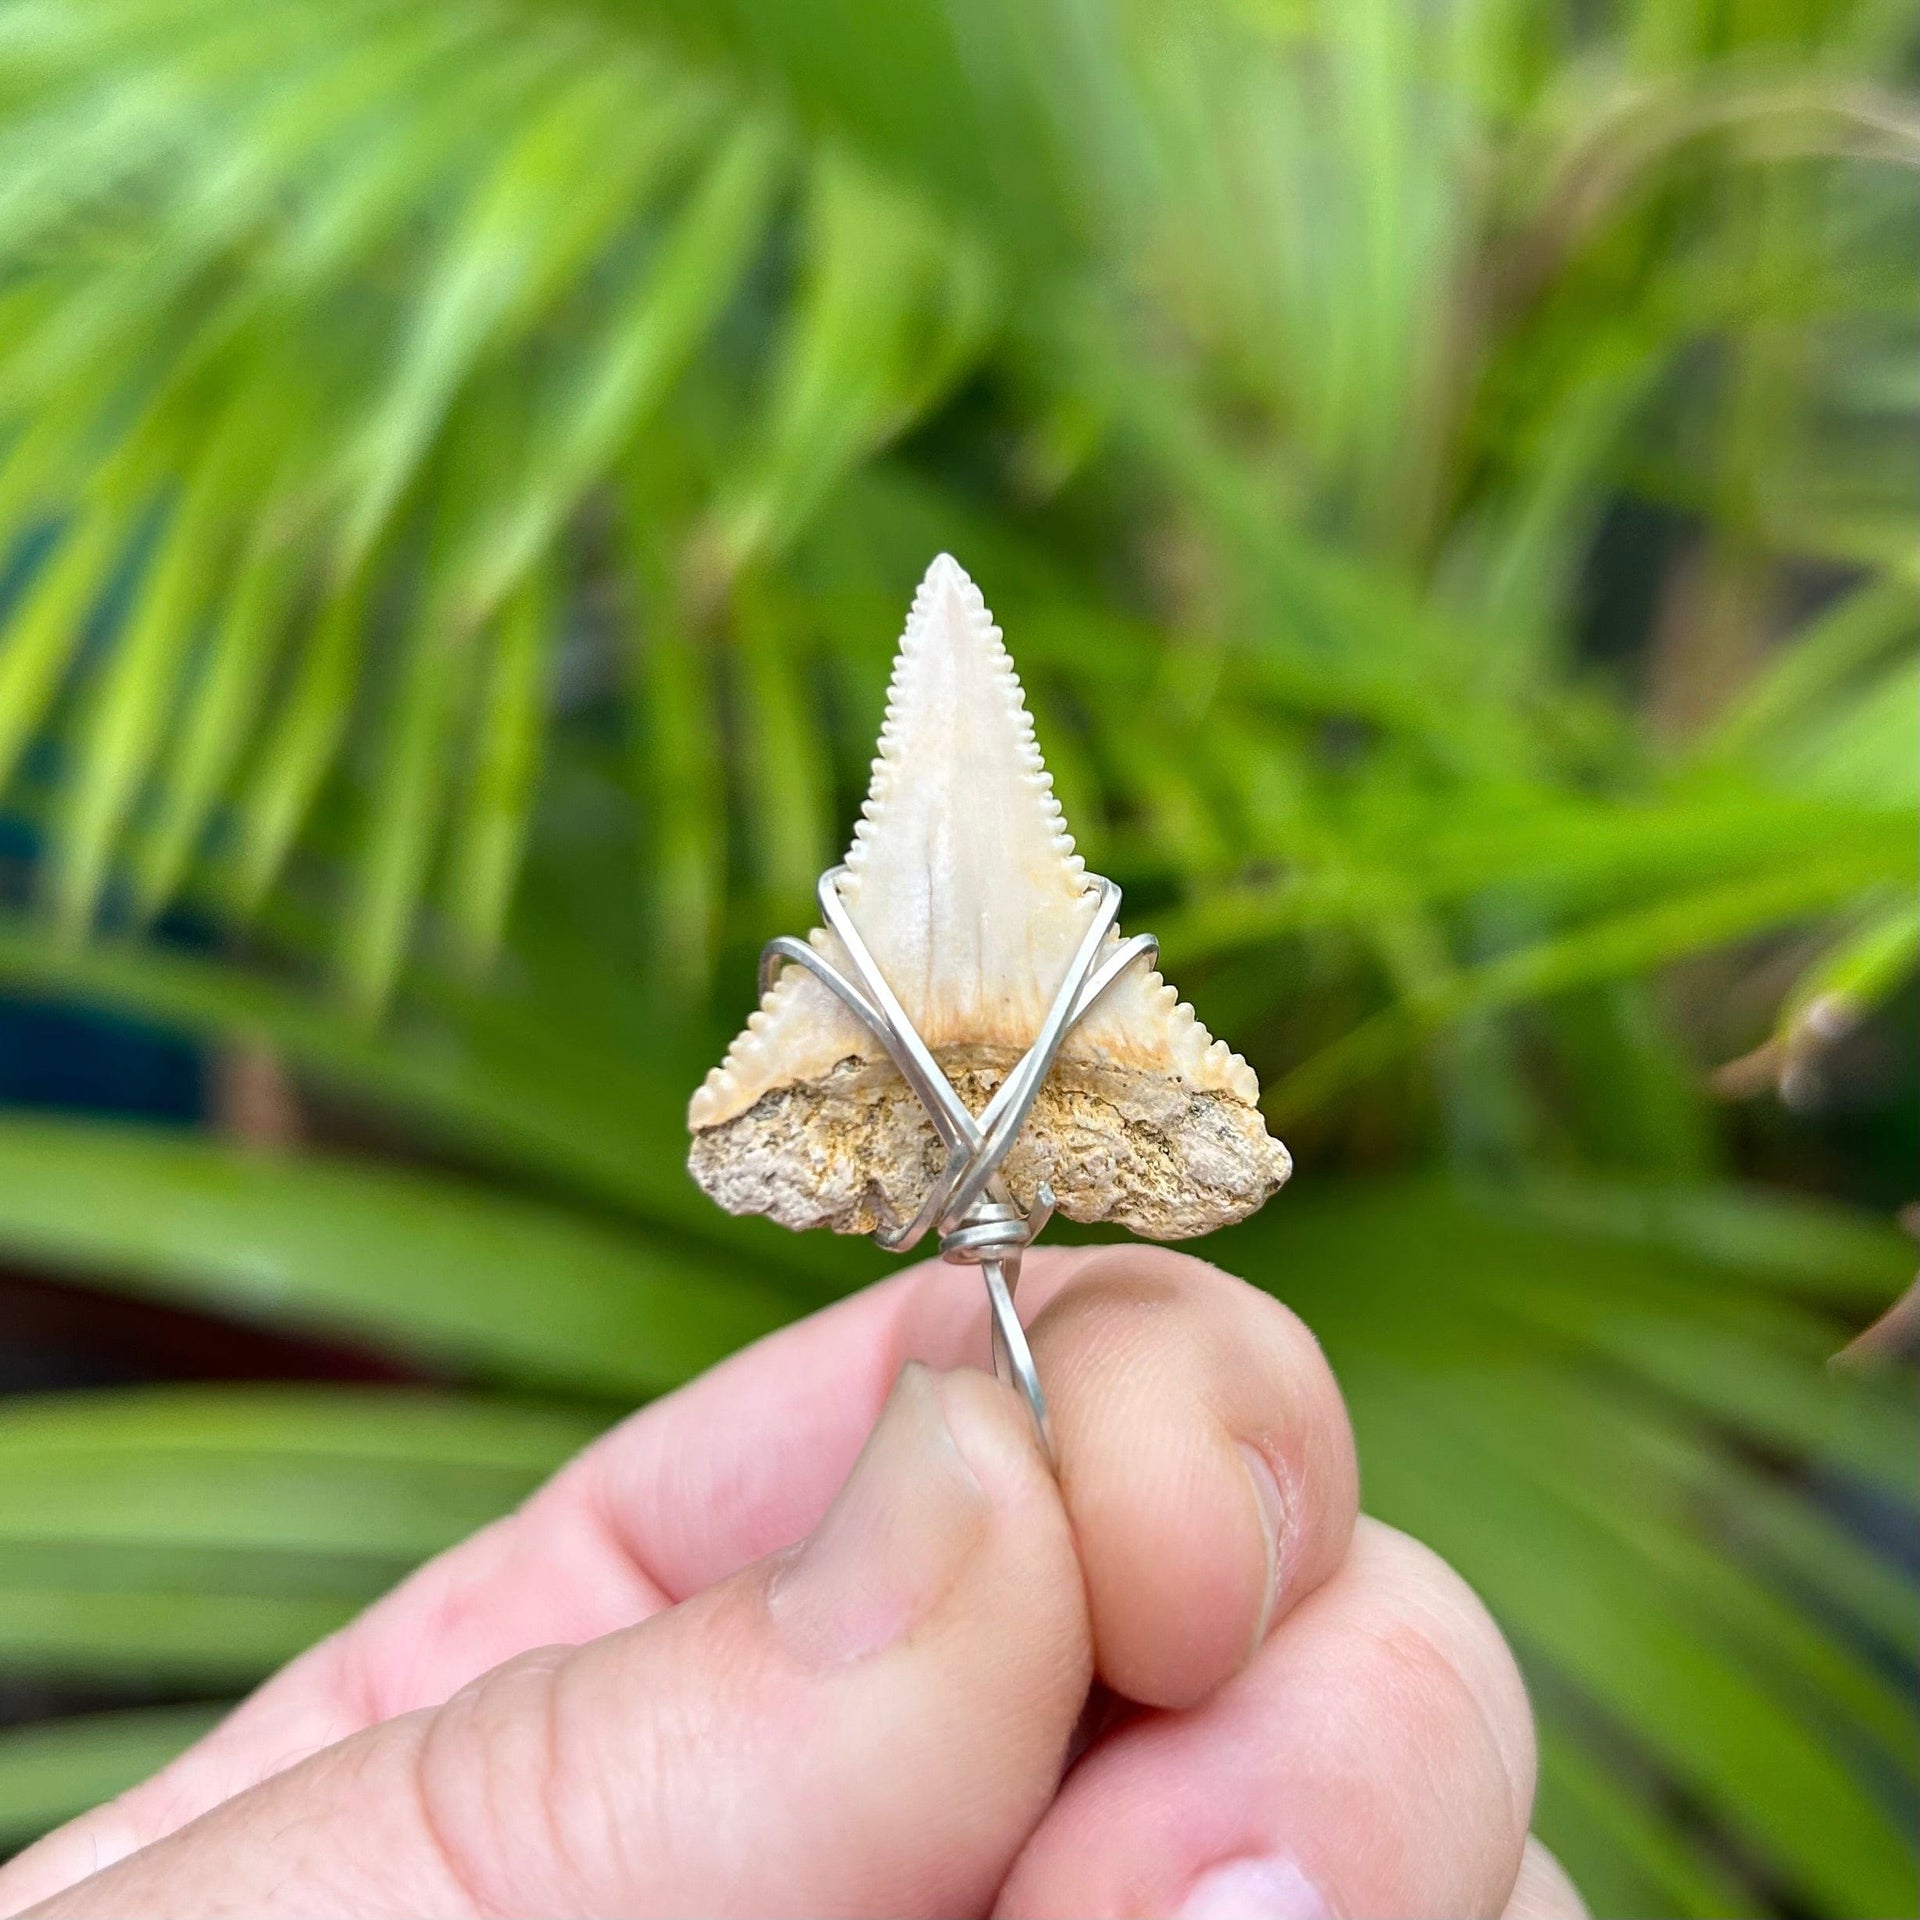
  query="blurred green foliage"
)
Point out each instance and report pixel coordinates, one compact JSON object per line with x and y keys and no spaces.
{"x":1448,"y":475}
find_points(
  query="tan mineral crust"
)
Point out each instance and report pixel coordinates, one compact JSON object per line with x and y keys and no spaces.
{"x":854,"y":1150}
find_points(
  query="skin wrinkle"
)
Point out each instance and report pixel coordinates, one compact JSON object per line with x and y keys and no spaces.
{"x":643,"y":1766}
{"x":487,"y":1771}
{"x":436,"y":1839}
{"x":363,"y":1690}
{"x":555,"y":1784}
{"x":604,"y":1515}
{"x":642,"y":1762}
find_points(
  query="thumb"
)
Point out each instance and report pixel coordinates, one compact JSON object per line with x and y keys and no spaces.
{"x":874,"y":1721}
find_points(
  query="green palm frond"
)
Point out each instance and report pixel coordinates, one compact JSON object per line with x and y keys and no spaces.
{"x":301,"y":480}
{"x":1447,"y":477}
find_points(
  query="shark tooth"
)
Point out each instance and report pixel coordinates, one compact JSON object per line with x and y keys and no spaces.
{"x":963,"y":882}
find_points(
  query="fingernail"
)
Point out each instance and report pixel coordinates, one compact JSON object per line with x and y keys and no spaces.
{"x":1271,"y":1505}
{"x":893,"y":1541}
{"x":1255,"y":1888}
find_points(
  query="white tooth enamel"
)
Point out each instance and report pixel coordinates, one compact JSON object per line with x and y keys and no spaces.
{"x":963,"y":881}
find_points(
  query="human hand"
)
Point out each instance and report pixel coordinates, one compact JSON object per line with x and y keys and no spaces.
{"x":636,"y":1696}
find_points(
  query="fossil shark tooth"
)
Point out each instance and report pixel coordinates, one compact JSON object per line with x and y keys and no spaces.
{"x":963,"y":881}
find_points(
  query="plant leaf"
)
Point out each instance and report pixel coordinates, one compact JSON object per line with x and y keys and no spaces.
{"x":439,"y":1270}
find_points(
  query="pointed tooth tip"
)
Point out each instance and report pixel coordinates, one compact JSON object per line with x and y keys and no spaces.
{"x":945,"y":583}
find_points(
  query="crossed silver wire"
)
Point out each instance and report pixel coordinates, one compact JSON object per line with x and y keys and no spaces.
{"x":980,"y":1222}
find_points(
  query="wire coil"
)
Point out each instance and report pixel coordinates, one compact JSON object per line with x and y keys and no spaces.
{"x":978,"y":1220}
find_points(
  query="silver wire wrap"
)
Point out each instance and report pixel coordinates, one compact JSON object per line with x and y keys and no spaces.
{"x":979,"y":1221}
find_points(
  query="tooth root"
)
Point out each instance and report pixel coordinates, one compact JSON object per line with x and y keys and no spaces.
{"x":963,"y":881}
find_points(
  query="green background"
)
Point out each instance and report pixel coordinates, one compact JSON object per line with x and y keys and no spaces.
{"x":1447,"y":476}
